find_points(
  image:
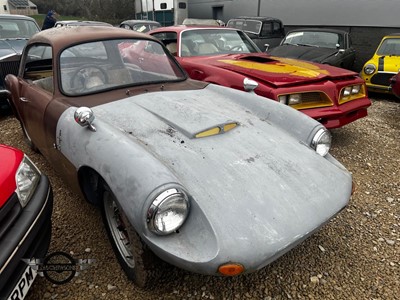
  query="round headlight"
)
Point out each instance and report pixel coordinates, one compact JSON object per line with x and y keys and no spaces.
{"x":321,"y":142}
{"x":168,"y":211}
{"x":369,"y":69}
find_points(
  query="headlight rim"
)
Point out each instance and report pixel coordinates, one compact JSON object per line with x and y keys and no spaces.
{"x":160,"y":199}
{"x":369,"y":65}
{"x":315,"y":142}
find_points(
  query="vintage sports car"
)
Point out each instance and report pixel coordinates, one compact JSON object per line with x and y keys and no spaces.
{"x":140,"y":25}
{"x":26,"y":202}
{"x":15,"y":30}
{"x":383,"y":65}
{"x":325,"y":46}
{"x":210,"y":179}
{"x":227,"y":57}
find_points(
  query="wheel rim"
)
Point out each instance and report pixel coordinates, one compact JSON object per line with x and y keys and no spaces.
{"x":118,"y":230}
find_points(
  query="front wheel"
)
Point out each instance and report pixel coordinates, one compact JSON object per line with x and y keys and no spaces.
{"x":136,"y":259}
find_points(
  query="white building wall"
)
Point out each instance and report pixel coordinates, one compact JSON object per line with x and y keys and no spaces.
{"x":4,"y":9}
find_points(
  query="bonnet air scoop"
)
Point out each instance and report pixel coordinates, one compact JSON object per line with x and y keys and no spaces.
{"x":257,"y":58}
{"x":219,"y":129}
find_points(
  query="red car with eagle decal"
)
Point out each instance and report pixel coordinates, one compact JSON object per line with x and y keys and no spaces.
{"x":228,"y":57}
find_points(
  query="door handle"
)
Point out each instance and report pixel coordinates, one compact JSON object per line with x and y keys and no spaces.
{"x":23,"y":99}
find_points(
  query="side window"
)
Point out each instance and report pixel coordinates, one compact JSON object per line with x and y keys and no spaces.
{"x":266,"y":29}
{"x":276,"y":27}
{"x":38,"y":62}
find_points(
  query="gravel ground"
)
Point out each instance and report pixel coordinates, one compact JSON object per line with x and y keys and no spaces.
{"x":355,"y":256}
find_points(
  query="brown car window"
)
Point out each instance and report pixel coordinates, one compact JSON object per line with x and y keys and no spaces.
{"x":38,"y":62}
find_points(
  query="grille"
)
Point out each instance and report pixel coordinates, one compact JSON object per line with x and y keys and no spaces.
{"x":9,"y":213}
{"x":382,"y":78}
{"x":312,"y":97}
{"x":8,"y":67}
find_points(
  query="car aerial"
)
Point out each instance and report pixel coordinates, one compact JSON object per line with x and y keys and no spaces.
{"x":210,"y":179}
{"x":325,"y":46}
{"x":140,"y":25}
{"x":384,"y":64}
{"x":15,"y":30}
{"x":26,"y":202}
{"x":70,"y":23}
{"x":226,"y":56}
{"x":266,"y":32}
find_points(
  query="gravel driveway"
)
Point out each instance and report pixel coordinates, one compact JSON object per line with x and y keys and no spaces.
{"x":355,"y":256}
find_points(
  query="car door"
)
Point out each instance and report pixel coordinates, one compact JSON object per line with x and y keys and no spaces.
{"x":36,"y":91}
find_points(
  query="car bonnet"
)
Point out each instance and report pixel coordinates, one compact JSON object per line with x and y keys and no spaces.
{"x":11,"y":46}
{"x":303,"y":52}
{"x":275,"y":70}
{"x":255,"y":168}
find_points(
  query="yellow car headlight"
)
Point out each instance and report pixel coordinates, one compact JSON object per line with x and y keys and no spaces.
{"x":369,"y":69}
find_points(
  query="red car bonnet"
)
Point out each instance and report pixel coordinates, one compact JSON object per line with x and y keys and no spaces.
{"x":10,"y":160}
{"x":277,"y":71}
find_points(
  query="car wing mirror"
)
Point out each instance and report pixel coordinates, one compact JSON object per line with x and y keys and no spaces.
{"x":266,"y":47}
{"x":249,"y":85}
{"x":340,"y":51}
{"x":84,"y":116}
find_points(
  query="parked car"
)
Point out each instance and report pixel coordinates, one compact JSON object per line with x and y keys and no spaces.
{"x":70,"y":23}
{"x":325,"y":46}
{"x":266,"y":32}
{"x":227,"y":57}
{"x":165,"y":156}
{"x":140,"y":25}
{"x":383,"y":65}
{"x":15,"y":30}
{"x":395,"y":85}
{"x":207,"y":22}
{"x":26,"y":202}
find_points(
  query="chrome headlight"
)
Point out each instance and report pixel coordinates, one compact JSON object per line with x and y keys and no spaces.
{"x":321,"y":142}
{"x":168,"y":211}
{"x":27,"y":179}
{"x":369,"y":69}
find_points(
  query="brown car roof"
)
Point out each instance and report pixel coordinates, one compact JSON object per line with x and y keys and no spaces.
{"x":64,"y":36}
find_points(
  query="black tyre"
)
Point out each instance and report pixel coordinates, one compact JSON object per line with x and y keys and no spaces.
{"x":136,"y":259}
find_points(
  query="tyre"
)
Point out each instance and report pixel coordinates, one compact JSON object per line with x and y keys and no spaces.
{"x":135,"y":258}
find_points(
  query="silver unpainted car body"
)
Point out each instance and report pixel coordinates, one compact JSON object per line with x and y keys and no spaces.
{"x":256,"y":191}
{"x":252,"y":185}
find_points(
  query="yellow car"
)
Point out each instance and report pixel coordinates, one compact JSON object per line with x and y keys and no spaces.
{"x":385,"y":63}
